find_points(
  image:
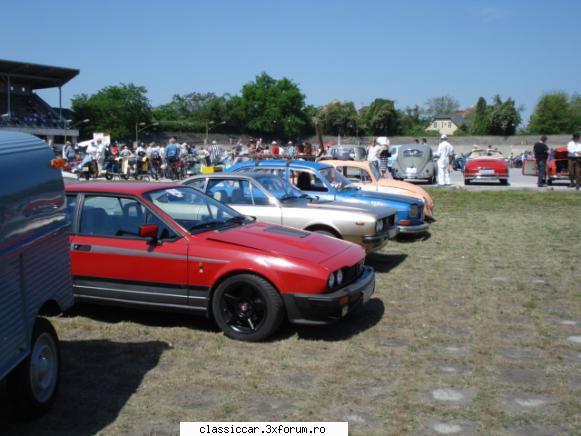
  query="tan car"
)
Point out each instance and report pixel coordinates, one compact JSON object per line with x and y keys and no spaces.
{"x":368,"y":178}
{"x":270,"y":198}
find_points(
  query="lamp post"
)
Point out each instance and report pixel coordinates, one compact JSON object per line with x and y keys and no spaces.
{"x":72,"y":126}
{"x":209,"y":126}
{"x":144,"y":126}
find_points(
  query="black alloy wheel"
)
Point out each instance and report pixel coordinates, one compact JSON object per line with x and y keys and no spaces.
{"x":247,"y":308}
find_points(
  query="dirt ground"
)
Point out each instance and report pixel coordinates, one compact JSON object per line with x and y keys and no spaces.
{"x":473,"y":330}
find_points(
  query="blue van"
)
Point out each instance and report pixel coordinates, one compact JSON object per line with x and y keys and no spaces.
{"x":35,"y":272}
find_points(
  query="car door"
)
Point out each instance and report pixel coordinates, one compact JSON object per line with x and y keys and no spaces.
{"x":246,"y":197}
{"x":110,"y":262}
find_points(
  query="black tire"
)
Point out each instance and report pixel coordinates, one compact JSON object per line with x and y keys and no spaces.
{"x":550,"y":182}
{"x":467,"y":181}
{"x":109,"y":176}
{"x":33,"y":384}
{"x":504,"y":182}
{"x":247,"y":308}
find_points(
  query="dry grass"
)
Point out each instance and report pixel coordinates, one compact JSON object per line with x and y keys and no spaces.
{"x":482,"y":310}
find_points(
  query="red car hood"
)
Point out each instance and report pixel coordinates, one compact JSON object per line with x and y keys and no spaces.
{"x":282,"y":241}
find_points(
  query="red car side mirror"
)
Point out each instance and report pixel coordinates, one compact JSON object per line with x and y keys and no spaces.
{"x":148,"y":231}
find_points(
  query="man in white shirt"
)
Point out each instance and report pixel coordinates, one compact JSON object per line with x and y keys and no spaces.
{"x":373,"y":153}
{"x":445,"y":150}
{"x":574,"y":150}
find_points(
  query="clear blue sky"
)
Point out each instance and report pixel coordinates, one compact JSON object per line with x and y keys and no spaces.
{"x":407,"y":51}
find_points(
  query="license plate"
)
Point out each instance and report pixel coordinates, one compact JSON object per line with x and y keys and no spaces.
{"x":487,"y":172}
{"x":412,"y":170}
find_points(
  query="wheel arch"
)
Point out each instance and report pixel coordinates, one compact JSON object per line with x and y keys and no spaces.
{"x":324,"y":227}
{"x":229,"y":275}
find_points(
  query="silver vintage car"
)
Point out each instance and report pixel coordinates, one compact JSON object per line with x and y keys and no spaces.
{"x":272,"y":199}
{"x":414,"y":162}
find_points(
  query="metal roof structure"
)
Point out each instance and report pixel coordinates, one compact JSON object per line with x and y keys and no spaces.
{"x":36,"y":76}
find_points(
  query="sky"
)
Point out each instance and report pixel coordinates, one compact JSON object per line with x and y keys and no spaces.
{"x":407,"y":51}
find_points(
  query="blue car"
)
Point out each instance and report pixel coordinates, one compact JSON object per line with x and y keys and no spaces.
{"x":324,"y":182}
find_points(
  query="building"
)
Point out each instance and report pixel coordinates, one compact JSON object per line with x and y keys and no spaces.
{"x":21,"y":109}
{"x":445,"y":124}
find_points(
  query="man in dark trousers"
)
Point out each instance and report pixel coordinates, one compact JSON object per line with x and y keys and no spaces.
{"x":541,"y":151}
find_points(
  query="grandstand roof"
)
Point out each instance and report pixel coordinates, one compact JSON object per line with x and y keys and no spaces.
{"x":37,"y":76}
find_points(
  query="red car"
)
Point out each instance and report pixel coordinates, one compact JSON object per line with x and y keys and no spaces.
{"x":165,"y":246}
{"x":486,"y":165}
{"x":558,"y":166}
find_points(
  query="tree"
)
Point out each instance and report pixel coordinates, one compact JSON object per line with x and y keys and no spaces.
{"x":380,"y":118}
{"x":477,"y":121}
{"x":504,"y":117}
{"x":113,"y":109}
{"x":273,"y":107}
{"x":412,"y":121}
{"x":441,"y":106}
{"x":553,"y":114}
{"x":338,"y":118}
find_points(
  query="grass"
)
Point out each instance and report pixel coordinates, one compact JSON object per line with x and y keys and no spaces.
{"x":477,"y":308}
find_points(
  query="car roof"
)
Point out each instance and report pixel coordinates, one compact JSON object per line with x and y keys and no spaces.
{"x":119,"y":187}
{"x":224,"y":175}
{"x":353,"y":163}
{"x":283,"y":163}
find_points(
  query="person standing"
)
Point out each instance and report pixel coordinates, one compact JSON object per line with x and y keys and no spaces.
{"x":574,"y":152}
{"x":541,"y":151}
{"x":373,"y":153}
{"x":444,"y":152}
{"x":215,"y":151}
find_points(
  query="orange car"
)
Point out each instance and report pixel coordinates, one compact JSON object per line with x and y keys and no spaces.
{"x":369,"y":179}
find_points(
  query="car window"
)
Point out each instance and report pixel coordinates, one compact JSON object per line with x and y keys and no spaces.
{"x":259,"y":198}
{"x":413,"y":152}
{"x":198,"y":184}
{"x":71,"y":204}
{"x":307,"y":181}
{"x":355,"y":174}
{"x":193,"y":210}
{"x":110,"y":216}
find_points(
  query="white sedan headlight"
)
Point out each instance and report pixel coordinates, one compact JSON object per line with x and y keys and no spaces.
{"x":331,"y":281}
{"x":339,"y":277}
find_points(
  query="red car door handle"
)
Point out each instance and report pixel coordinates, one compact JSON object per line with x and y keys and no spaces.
{"x":81,"y":247}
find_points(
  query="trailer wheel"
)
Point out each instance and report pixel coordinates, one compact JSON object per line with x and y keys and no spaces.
{"x":33,"y":383}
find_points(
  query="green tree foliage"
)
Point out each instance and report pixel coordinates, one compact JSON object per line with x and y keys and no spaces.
{"x":114,"y":109}
{"x":274,"y":108}
{"x":413,"y":121}
{"x":556,"y":113}
{"x":338,"y":118}
{"x":504,"y":117}
{"x":380,"y":118}
{"x":477,"y":121}
{"x":441,"y":106}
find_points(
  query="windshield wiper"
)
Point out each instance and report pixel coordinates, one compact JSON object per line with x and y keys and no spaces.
{"x":205,"y":225}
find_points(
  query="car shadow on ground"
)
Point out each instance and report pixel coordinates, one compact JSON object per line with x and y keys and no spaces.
{"x":150,"y":318}
{"x":97,"y":378}
{"x":357,"y":322}
{"x":383,"y":263}
{"x":412,"y":238}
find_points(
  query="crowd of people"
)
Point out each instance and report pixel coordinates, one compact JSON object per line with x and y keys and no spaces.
{"x":161,"y":159}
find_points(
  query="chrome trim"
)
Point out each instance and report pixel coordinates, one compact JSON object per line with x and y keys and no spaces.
{"x":135,"y":292}
{"x":413,"y":229}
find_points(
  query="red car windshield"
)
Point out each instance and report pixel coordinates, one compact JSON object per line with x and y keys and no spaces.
{"x":193,"y":210}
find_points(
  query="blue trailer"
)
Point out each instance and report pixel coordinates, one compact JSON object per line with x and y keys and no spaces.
{"x":35,"y":274}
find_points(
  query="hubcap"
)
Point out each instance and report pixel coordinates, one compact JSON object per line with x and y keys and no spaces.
{"x":243,"y":309}
{"x":43,"y":368}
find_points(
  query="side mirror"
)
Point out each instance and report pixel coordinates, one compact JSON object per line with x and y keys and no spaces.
{"x":149,"y":231}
